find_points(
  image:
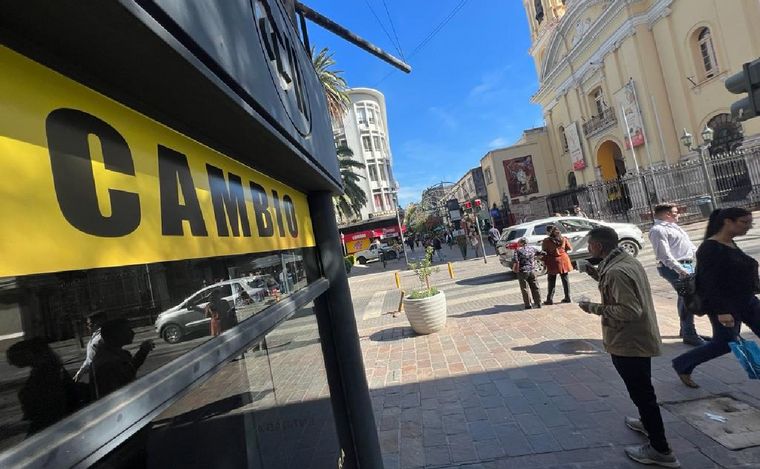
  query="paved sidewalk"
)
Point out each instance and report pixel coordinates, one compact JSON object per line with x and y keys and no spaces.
{"x":503,"y":387}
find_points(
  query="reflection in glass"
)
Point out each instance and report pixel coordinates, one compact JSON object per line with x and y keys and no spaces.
{"x":270,"y":408}
{"x":53,"y":327}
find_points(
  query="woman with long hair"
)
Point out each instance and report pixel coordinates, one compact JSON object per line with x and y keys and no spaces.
{"x":727,"y":281}
{"x":557,"y":262}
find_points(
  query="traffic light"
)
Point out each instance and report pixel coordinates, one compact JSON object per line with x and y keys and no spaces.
{"x":478,"y":203}
{"x":747,"y":81}
{"x":467,"y":205}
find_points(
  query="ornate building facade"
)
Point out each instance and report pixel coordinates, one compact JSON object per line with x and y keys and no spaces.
{"x":364,"y":130}
{"x":619,"y":80}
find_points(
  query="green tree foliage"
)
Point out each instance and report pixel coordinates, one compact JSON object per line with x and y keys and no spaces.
{"x":332,"y":82}
{"x":353,"y":199}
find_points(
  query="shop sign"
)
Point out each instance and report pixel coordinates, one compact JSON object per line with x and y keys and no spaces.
{"x":91,"y":183}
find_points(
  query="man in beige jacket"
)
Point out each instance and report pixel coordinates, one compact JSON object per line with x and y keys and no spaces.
{"x":631,"y":337}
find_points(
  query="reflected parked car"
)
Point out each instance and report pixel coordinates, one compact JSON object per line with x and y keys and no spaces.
{"x":575,"y":229}
{"x":177,"y":322}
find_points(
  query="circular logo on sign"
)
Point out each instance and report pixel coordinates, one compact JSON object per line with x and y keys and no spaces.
{"x":284,"y":55}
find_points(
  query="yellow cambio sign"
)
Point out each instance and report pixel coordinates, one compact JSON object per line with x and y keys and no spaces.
{"x":88,"y":182}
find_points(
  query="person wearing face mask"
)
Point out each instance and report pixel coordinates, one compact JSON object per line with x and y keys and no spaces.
{"x":557,"y":261}
{"x":727,"y":281}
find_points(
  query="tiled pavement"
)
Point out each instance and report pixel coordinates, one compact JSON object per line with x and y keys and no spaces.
{"x":503,"y":387}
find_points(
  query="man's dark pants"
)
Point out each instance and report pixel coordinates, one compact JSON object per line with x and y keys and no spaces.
{"x":686,"y":318}
{"x":637,"y":376}
{"x":528,"y":279}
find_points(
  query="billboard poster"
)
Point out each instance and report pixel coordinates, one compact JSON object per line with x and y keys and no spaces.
{"x":574,"y":146}
{"x":521,"y":176}
{"x":627,"y":104}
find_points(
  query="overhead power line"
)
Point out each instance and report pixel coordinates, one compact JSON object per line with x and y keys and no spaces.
{"x":382,"y":26}
{"x":393,"y":28}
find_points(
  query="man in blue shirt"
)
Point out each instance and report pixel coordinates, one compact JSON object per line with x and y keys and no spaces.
{"x":524,"y":265}
{"x":675,"y":254}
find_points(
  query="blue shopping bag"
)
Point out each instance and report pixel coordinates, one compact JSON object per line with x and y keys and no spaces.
{"x":748,"y":354}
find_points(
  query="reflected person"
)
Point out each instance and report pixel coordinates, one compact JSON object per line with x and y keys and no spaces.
{"x":114,"y":367}
{"x":93,"y":326}
{"x":49,"y":394}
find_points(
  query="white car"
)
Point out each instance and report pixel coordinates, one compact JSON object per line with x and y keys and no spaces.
{"x":189,"y":316}
{"x":575,"y":229}
{"x":373,"y":253}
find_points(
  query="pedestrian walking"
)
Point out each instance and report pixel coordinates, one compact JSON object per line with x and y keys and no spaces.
{"x":557,"y":261}
{"x":494,"y":235}
{"x":437,"y":248}
{"x":524,"y":265}
{"x":631,"y":337}
{"x":93,"y":324}
{"x":675,"y":253}
{"x":462,"y":243}
{"x":114,"y":367}
{"x":475,"y":244}
{"x":727,"y":281}
{"x":216,"y":309}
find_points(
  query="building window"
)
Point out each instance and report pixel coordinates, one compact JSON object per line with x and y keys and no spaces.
{"x":378,"y":202}
{"x":366,"y":143}
{"x":372,"y":172}
{"x":707,"y":52}
{"x":383,"y":176}
{"x":388,"y":203}
{"x":361,"y":115}
{"x":342,"y":143}
{"x":488,"y":176}
{"x":376,"y":142}
{"x":539,"y":11}
{"x":371,"y":115}
{"x":390,"y":174}
{"x":563,"y":138}
{"x":599,"y":103}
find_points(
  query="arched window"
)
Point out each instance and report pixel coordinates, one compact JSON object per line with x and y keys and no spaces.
{"x":707,"y":53}
{"x":539,"y":11}
{"x":562,"y":138}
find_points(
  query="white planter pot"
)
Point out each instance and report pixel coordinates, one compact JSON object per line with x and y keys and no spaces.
{"x":426,"y":315}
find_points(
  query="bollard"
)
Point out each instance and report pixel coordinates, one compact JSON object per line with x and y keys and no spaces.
{"x":398,"y":280}
{"x":451,"y":270}
{"x":400,"y":303}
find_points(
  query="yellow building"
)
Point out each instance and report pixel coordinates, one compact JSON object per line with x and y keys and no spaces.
{"x":619,"y":80}
{"x":522,"y":175}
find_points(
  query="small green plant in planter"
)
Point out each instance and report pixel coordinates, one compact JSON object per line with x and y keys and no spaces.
{"x":424,"y":269}
{"x":348,"y":261}
{"x":425,"y":308}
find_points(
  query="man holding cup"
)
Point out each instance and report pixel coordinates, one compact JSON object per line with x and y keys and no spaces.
{"x":631,"y":337}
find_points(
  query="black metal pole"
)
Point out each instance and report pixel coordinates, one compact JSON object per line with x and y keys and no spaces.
{"x":304,"y":33}
{"x":349,"y":390}
{"x":339,"y":30}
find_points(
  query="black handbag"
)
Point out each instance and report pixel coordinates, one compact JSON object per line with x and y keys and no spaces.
{"x":687,"y":289}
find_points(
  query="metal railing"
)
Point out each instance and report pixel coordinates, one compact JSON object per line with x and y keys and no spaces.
{"x":603,"y":121}
{"x":735,"y":177}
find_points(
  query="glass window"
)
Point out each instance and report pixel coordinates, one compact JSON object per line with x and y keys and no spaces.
{"x":366,"y":143}
{"x":707,"y":51}
{"x":574,"y":225}
{"x":599,"y":104}
{"x":372,"y":172}
{"x":73,"y":337}
{"x":378,"y":202}
{"x":268,"y":408}
{"x":540,"y":229}
{"x":376,"y":142}
{"x":512,"y":235}
{"x":371,"y":115}
{"x":383,"y":176}
{"x":361,"y":115}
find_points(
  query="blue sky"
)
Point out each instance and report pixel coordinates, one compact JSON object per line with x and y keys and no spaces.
{"x":470,"y":86}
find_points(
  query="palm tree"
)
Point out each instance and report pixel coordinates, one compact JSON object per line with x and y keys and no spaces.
{"x":334,"y":85}
{"x":353,"y":198}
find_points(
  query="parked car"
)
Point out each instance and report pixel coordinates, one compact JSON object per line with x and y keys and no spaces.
{"x":373,"y":253}
{"x":189,"y":316}
{"x":575,"y":229}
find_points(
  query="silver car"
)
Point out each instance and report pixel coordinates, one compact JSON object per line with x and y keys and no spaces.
{"x":246,"y":295}
{"x":575,"y":229}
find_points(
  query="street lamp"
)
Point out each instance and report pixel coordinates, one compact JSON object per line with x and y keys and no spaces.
{"x":707,"y":137}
